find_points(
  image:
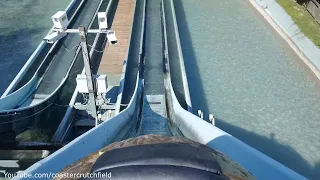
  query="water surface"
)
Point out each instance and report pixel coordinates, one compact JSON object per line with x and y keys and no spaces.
{"x":240,"y":70}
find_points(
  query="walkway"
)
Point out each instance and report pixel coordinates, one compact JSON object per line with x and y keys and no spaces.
{"x":114,"y":55}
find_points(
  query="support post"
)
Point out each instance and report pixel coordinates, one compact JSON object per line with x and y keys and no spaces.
{"x":211,"y":119}
{"x":88,"y":72}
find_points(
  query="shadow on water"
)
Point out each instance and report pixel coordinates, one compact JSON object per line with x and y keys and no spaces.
{"x":192,"y":70}
{"x":280,"y":152}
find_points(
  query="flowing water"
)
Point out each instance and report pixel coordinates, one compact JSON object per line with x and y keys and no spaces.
{"x":240,"y":70}
{"x":23,"y":24}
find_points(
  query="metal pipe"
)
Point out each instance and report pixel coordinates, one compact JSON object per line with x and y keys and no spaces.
{"x":88,"y":72}
{"x":88,"y":31}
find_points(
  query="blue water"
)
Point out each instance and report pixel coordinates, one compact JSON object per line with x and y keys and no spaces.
{"x":23,"y":24}
{"x":240,"y":70}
